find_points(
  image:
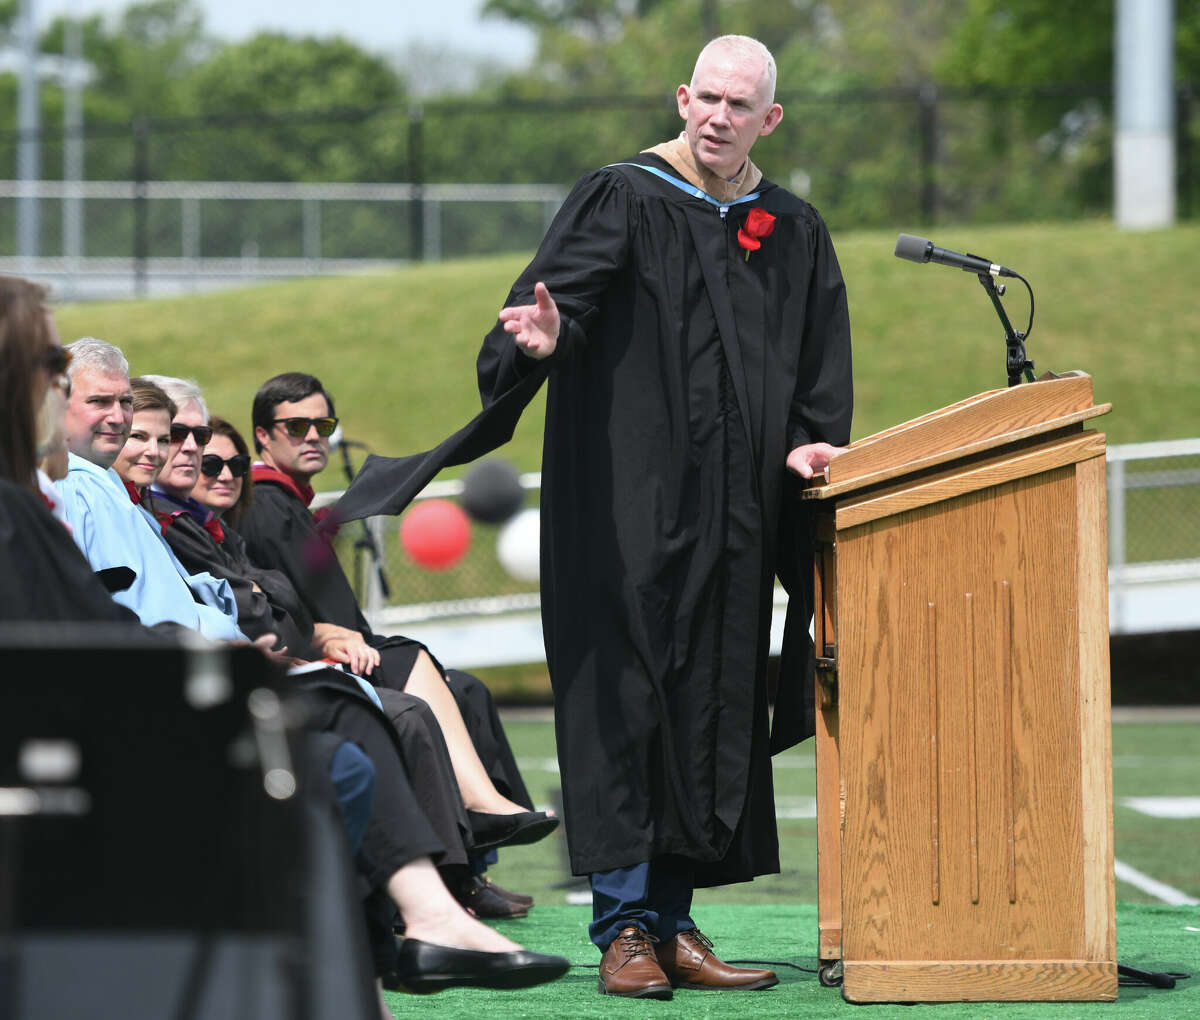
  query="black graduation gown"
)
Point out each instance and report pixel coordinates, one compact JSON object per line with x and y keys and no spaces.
{"x":280,"y":533}
{"x":275,"y":608}
{"x":43,"y":575}
{"x":685,"y":372}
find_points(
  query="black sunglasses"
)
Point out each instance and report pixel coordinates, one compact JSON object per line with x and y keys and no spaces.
{"x":179,"y":433}
{"x":212,"y":465}
{"x":298,"y":428}
{"x":55,"y":359}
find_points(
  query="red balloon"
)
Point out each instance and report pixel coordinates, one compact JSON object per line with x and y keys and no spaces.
{"x":435,"y":533}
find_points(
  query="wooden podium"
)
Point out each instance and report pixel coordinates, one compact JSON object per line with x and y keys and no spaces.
{"x":964,"y":755}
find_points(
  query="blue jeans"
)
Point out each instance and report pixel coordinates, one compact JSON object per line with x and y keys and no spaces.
{"x":353,"y":778}
{"x":656,"y":897}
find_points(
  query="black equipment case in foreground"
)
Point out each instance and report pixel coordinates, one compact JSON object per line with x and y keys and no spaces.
{"x":160,"y":853}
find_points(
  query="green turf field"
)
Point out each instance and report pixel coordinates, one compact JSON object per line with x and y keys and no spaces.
{"x":774,"y":919}
{"x":1150,"y":759}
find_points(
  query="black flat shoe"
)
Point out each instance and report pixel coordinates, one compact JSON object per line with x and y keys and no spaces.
{"x":425,"y":967}
{"x":491,"y":831}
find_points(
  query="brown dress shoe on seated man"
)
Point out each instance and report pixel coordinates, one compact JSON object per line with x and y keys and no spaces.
{"x":688,"y":962}
{"x":629,"y":968}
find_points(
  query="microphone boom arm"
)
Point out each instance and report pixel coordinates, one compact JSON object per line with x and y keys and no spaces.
{"x":1016,"y":363}
{"x":366,"y":541}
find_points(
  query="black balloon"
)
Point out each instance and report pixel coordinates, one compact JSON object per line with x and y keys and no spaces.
{"x":492,"y":492}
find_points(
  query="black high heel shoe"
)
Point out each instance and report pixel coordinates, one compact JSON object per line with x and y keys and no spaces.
{"x":491,"y":831}
{"x":425,"y":967}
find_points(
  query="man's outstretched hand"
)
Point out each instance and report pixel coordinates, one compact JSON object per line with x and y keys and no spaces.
{"x":809,"y":460}
{"x":534,"y":327}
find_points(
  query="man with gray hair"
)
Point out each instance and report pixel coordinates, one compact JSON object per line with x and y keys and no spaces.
{"x":100,"y":411}
{"x":690,"y":320}
{"x":120,"y":539}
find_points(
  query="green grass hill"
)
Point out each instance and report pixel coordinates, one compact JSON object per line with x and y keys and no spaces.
{"x":397,"y":348}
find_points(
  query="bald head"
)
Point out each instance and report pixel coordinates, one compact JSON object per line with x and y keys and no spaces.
{"x":745,"y":51}
{"x":730,"y":103}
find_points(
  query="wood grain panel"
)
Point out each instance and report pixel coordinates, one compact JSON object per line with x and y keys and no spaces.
{"x":1095,"y":714}
{"x":969,"y":753}
{"x":829,"y":786}
{"x":1004,"y":671}
{"x":998,"y":414}
{"x":891,"y":470}
{"x":981,"y":981}
{"x":972,"y":739}
{"x":954,"y":482}
{"x":1000,"y":852}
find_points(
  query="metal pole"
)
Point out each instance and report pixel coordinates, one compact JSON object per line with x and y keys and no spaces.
{"x":141,"y":174}
{"x":416,"y":174}
{"x":29,"y":163}
{"x":311,"y":220}
{"x":73,"y":150}
{"x":1116,"y":541}
{"x":189,"y":215}
{"x":927,"y":106}
{"x":1144,"y":139}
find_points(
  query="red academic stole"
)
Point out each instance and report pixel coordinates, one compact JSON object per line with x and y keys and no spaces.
{"x":262,"y":473}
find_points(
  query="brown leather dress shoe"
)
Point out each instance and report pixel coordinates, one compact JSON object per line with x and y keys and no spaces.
{"x":485,"y":901}
{"x":630,"y":969}
{"x":688,"y":962}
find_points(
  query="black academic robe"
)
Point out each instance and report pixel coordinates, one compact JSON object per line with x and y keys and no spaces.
{"x":685,"y":372}
{"x":280,"y":533}
{"x":274,"y":608}
{"x":43,"y":575}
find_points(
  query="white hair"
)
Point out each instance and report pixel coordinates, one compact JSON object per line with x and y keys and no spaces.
{"x":91,"y":355}
{"x":181,"y":391}
{"x":746,"y":48}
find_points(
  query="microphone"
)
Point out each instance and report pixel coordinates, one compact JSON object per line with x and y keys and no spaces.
{"x":918,"y":249}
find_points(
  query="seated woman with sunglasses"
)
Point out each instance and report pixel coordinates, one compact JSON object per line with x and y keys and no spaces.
{"x":225,"y":490}
{"x":189,"y":528}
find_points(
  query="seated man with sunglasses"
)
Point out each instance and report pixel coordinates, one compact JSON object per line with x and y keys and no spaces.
{"x":293,"y":417}
{"x":266,"y":601}
{"x":120,"y":539}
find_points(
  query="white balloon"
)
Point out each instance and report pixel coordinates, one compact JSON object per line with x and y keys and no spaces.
{"x":517,"y":545}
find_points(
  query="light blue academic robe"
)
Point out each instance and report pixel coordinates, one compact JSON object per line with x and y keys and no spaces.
{"x":114,"y":532}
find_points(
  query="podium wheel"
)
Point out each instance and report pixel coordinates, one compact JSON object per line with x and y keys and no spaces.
{"x":829,"y":973}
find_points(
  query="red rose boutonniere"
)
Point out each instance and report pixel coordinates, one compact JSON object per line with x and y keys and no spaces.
{"x":759,"y":224}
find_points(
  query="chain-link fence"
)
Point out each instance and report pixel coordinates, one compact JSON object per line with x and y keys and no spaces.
{"x":314,"y":192}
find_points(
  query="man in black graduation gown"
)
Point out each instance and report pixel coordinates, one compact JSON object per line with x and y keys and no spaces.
{"x":281,"y":533}
{"x":691,"y":319}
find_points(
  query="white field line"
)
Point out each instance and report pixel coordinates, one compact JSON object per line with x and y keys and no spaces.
{"x":1153,"y":887}
{"x":1164,"y":807}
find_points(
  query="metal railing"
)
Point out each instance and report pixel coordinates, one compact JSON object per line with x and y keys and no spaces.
{"x":1153,"y":554}
{"x":1154,"y":536}
{"x":217,"y":233}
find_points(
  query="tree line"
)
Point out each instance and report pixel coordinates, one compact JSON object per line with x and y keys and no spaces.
{"x":887,"y":102}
